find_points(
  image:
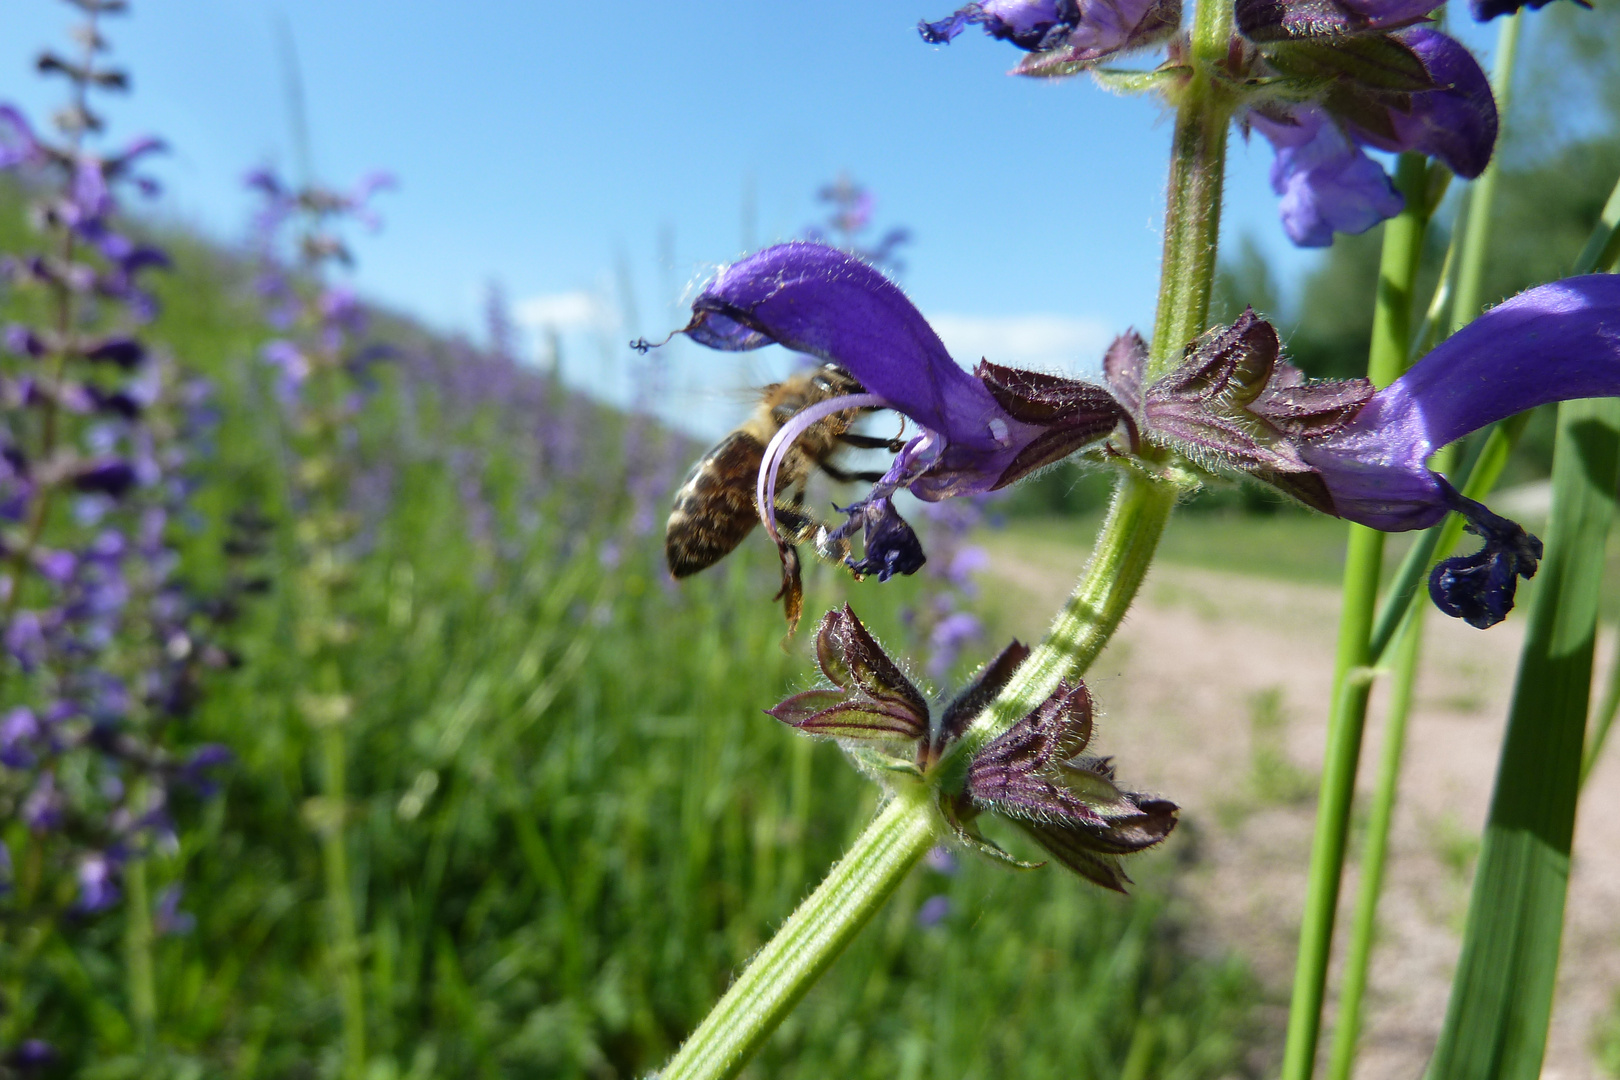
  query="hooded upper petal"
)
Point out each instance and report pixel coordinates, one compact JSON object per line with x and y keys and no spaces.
{"x":1456,"y":123}
{"x":1327,"y":183}
{"x":1555,"y":342}
{"x":819,"y":300}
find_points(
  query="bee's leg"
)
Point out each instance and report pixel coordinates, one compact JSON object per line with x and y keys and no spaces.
{"x":872,"y":442}
{"x":793,"y":523}
{"x":844,"y":477}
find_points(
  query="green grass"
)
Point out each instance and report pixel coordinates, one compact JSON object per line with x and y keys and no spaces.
{"x":568,"y":822}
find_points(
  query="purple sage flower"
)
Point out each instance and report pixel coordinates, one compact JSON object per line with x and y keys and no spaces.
{"x":1063,"y":35}
{"x":1441,"y":105}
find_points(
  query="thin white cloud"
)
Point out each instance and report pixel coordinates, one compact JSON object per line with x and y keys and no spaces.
{"x":578,"y":310}
{"x":1042,"y":342}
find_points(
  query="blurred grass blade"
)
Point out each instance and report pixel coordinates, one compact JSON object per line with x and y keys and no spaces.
{"x":1501,"y":1000}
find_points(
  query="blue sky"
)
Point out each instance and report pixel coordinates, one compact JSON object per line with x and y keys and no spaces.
{"x":565,"y":149}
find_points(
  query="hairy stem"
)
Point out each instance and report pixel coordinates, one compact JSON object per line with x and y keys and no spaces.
{"x":781,"y":972}
{"x":1192,"y":220}
{"x":858,"y":885}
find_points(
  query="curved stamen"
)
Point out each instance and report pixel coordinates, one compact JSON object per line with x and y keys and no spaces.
{"x":782,"y":441}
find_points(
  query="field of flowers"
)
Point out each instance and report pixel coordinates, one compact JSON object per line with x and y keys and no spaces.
{"x":353,"y":725}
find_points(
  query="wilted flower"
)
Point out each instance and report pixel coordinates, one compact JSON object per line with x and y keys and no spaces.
{"x":1035,"y":773}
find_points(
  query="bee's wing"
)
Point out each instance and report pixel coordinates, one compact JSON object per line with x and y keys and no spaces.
{"x":714,"y":509}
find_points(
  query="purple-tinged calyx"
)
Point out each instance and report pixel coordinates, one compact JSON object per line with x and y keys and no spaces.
{"x":1234,"y":404}
{"x":1038,"y":775}
{"x":872,"y":699}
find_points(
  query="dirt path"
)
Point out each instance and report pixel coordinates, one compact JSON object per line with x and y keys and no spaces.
{"x":1215,"y":693}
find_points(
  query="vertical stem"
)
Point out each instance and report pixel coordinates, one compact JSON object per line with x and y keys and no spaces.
{"x":1347,"y":1029}
{"x":1482,"y":199}
{"x":1603,"y":720}
{"x":340,"y":903}
{"x":1192,"y":222}
{"x":1352,"y":683}
{"x":814,"y":935}
{"x":138,"y":956}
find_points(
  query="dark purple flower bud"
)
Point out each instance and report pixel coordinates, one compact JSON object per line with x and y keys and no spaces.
{"x":1327,"y":183}
{"x":22,"y":341}
{"x":30,"y":1056}
{"x":975,"y":698}
{"x":112,"y":477}
{"x":873,"y":699}
{"x":123,"y":352}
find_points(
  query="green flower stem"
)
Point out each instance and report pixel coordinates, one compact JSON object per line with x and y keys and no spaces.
{"x":858,"y":885}
{"x":138,"y":956}
{"x":811,"y":939}
{"x":1352,"y":683}
{"x":1482,"y":199}
{"x":1192,"y":221}
{"x":345,"y":941}
{"x":1602,"y":721}
{"x":1347,"y":1025}
{"x":1109,"y":583}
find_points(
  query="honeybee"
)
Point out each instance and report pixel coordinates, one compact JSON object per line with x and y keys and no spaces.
{"x":714,"y":509}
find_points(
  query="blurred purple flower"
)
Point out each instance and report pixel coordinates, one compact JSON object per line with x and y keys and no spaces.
{"x":941,"y":860}
{"x":933,"y":911}
{"x":167,"y":918}
{"x":98,"y":884}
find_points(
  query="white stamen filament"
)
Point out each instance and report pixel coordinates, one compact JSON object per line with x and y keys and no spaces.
{"x":777,"y":448}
